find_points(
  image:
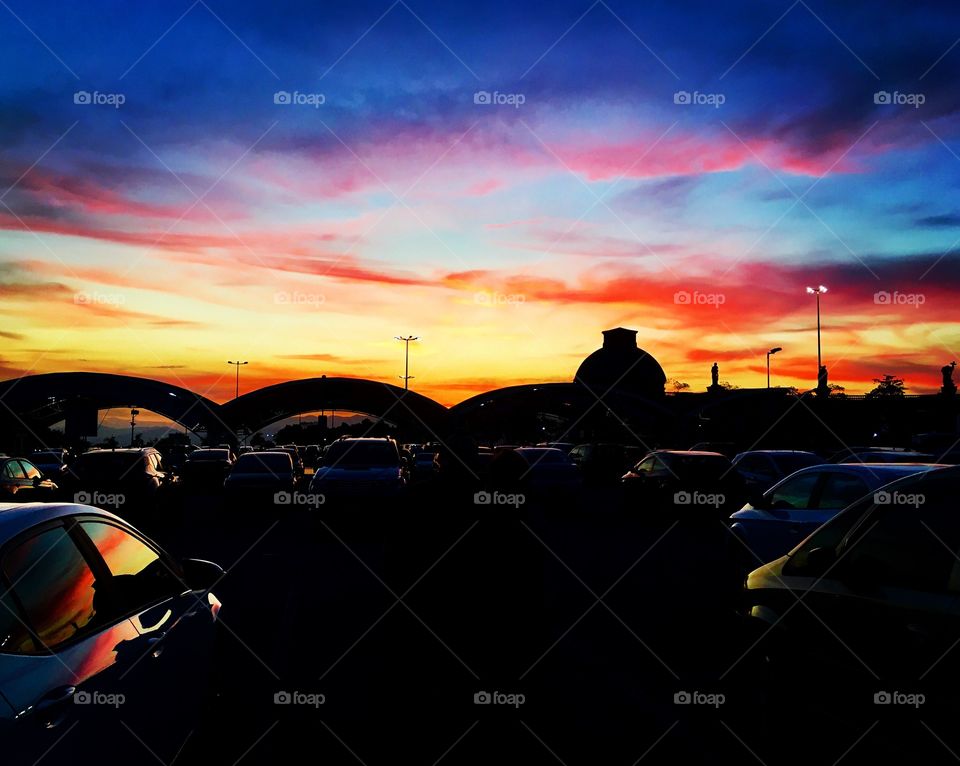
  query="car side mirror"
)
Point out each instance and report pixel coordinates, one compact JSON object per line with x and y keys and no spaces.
{"x":758,"y":500}
{"x":201,"y":575}
{"x":37,"y":481}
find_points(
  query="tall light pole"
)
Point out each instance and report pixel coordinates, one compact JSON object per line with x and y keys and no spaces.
{"x":406,"y":366}
{"x":818,"y":291}
{"x":771,"y":351}
{"x":236,"y":394}
{"x":133,"y":422}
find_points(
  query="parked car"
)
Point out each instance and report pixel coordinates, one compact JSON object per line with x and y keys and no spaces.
{"x":261,"y":475}
{"x":294,"y":452}
{"x":22,"y":482}
{"x":565,"y":446}
{"x":96,"y":615}
{"x":359,"y":467}
{"x":207,"y":468}
{"x":683,"y":484}
{"x":549,"y":472}
{"x":884,"y":577}
{"x":888,"y":456}
{"x":51,"y":462}
{"x":120,"y":479}
{"x":774,"y":522}
{"x":422,"y":465}
{"x":761,"y":469}
{"x":605,"y":463}
{"x":311,"y":455}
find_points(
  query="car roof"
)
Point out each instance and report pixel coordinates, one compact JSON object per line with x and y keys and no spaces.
{"x":17,"y":517}
{"x":881,"y":471}
{"x":777,"y":452}
{"x":695,"y":452}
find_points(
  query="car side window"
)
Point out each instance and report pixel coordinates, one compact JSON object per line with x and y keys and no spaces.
{"x":54,"y":584}
{"x":756,"y":464}
{"x":13,"y":470}
{"x":29,"y":469}
{"x":839,"y":490}
{"x":795,"y":493}
{"x":645,"y":466}
{"x":139,"y":576}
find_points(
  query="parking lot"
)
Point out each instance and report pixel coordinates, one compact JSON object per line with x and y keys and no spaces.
{"x":582,"y":632}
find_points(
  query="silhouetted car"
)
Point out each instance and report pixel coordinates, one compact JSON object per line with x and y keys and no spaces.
{"x":175,"y":455}
{"x":51,"y":463}
{"x":22,"y":482}
{"x":359,"y":467}
{"x":207,"y":468}
{"x":311,"y":455}
{"x":294,"y":453}
{"x":683,"y":484}
{"x":422,"y":465}
{"x":261,"y":475}
{"x":761,"y":469}
{"x":604,"y":463}
{"x":119,"y":479}
{"x":883,"y":576}
{"x":549,"y":472}
{"x":565,"y":446}
{"x":772,"y":523}
{"x":887,"y":456}
{"x":98,"y":622}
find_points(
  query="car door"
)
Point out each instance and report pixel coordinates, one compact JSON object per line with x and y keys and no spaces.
{"x":170,"y":662}
{"x":898,"y":586}
{"x":63,"y":654}
{"x":16,"y":486}
{"x":774,"y":529}
{"x":40,"y":487}
{"x":836,"y":491}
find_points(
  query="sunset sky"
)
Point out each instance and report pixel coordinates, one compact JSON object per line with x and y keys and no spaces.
{"x":199,"y":221}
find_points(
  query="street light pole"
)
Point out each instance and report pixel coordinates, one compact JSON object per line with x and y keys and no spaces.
{"x":771,"y":351}
{"x":238,"y":363}
{"x":818,"y":291}
{"x":133,"y":422}
{"x":406,"y":366}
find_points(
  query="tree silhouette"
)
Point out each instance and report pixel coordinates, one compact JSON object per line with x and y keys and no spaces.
{"x":888,"y":385}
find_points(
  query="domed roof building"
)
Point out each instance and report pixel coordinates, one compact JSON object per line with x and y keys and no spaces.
{"x":620,"y":364}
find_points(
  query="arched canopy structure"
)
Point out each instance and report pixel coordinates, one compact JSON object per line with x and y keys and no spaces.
{"x":415,"y":415}
{"x":43,"y":400}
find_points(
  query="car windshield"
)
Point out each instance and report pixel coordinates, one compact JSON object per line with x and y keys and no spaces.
{"x":361,"y":454}
{"x":263,"y":462}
